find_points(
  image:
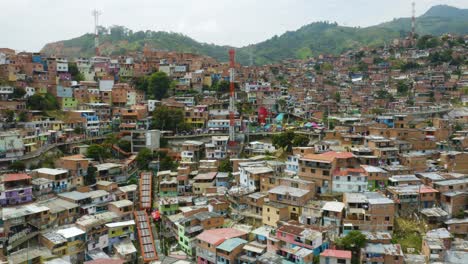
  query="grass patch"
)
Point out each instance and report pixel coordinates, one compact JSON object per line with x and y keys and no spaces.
{"x":408,"y":233}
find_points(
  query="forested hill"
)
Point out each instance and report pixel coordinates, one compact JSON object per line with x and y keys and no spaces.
{"x":309,"y":40}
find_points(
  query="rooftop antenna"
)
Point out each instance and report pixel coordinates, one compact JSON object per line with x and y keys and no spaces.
{"x":413,"y":23}
{"x":96,"y":13}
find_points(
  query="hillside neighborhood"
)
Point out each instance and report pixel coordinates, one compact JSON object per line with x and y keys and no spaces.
{"x":158,"y":156}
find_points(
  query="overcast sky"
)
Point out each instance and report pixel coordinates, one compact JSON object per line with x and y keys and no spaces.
{"x":30,"y":24}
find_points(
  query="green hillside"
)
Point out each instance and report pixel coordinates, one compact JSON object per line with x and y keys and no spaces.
{"x":309,"y":40}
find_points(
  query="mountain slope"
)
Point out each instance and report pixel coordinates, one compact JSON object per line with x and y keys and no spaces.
{"x":436,"y":21}
{"x":309,"y":40}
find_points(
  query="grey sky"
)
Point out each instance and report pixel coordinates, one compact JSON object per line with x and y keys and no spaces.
{"x":29,"y":24}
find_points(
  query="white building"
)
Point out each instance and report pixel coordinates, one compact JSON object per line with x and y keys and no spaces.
{"x":62,"y":65}
{"x":217,"y":149}
{"x":30,"y":91}
{"x":152,"y":105}
{"x":11,"y":145}
{"x":106,"y":85}
{"x":349,"y":180}
{"x":149,"y":139}
{"x":292,"y":164}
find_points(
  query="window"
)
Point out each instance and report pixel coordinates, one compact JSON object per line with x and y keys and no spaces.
{"x":387,"y":218}
{"x":341,"y":261}
{"x":325,"y":173}
{"x":277,"y":212}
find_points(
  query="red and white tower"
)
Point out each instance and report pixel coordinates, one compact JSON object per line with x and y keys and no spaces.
{"x":96,"y":14}
{"x":232,"y":106}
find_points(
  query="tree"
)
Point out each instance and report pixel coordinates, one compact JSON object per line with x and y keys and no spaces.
{"x":90,"y":177}
{"x":74,"y":72}
{"x":141,"y":83}
{"x":289,"y":139}
{"x":353,"y":241}
{"x":43,"y":102}
{"x":23,"y":116}
{"x":427,"y":41}
{"x":18,"y":93}
{"x":143,"y":158}
{"x":431,"y":97}
{"x":97,"y":152}
{"x":283,"y":140}
{"x":125,"y":145}
{"x":158,"y":85}
{"x":17,"y":166}
{"x":281,"y":105}
{"x":402,"y":88}
{"x":225,"y":165}
{"x":167,"y":163}
{"x":384,"y":94}
{"x":9,"y":115}
{"x":300,"y":140}
{"x":165,"y":118}
{"x":337,"y":97}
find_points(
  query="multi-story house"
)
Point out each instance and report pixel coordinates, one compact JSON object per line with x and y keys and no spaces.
{"x":217,"y":149}
{"x":297,"y":243}
{"x":294,"y":198}
{"x":67,"y":242}
{"x":377,"y":177}
{"x":77,"y":166}
{"x":120,"y":231}
{"x":192,"y":150}
{"x":11,"y":145}
{"x":229,"y":251}
{"x":332,"y":214}
{"x":189,"y":227}
{"x":320,"y":168}
{"x":252,"y":175}
{"x":15,"y":189}
{"x":168,"y":187}
{"x":412,"y":198}
{"x":123,"y":208}
{"x":60,"y":178}
{"x":23,"y":223}
{"x":209,"y":240}
{"x":273,"y":213}
{"x":335,"y":256}
{"x":96,"y":229}
{"x":368,"y":211}
{"x":62,"y":212}
{"x":196,"y":116}
{"x":349,"y":180}
{"x":203,"y":181}
{"x":382,"y":253}
{"x":87,"y":119}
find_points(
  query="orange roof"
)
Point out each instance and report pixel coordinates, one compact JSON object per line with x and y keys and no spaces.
{"x":346,"y":171}
{"x":218,"y":236}
{"x":74,"y":157}
{"x":334,"y":253}
{"x":15,"y":177}
{"x":329,"y":156}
